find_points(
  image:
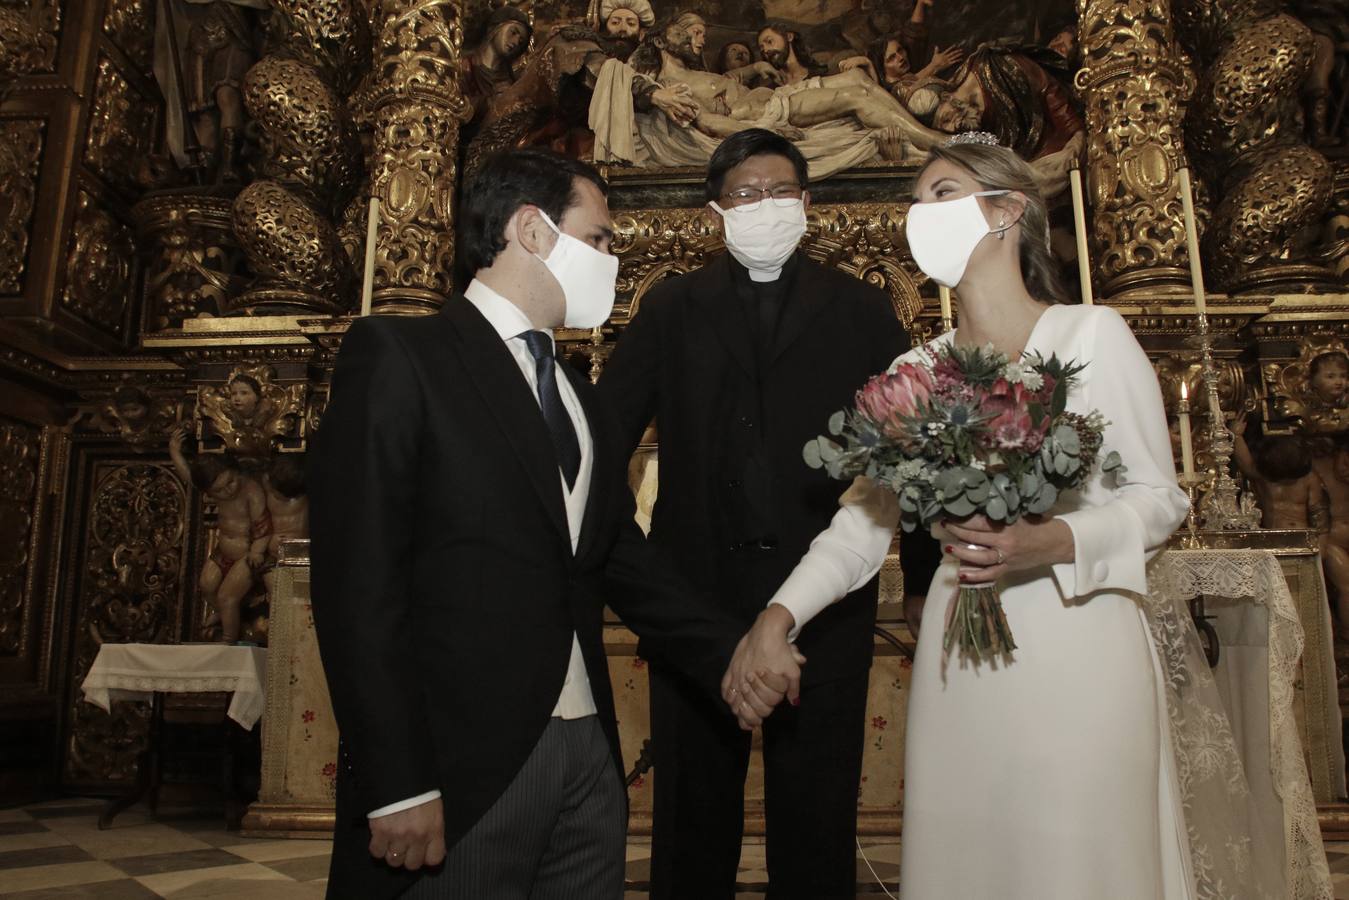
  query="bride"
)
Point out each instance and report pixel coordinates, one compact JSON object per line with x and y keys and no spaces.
{"x":1050,"y":773}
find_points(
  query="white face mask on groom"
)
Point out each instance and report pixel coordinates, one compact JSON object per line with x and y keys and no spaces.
{"x":587,"y":278}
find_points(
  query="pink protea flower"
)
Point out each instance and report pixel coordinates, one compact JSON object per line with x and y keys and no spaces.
{"x":888,"y":400}
{"x":1010,"y":426}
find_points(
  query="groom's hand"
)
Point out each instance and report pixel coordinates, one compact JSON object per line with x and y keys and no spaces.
{"x":764,"y":670}
{"x":410,"y":838}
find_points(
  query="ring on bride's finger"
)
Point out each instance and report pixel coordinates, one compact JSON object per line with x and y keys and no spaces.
{"x":1001,"y":559}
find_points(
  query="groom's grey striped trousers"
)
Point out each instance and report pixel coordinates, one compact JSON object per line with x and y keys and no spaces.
{"x":557,"y":833}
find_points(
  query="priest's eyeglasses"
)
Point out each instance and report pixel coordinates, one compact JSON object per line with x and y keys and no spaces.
{"x":749,"y":198}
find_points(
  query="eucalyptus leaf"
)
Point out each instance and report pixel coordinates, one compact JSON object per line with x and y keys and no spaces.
{"x":811,"y":453}
{"x":829,"y":451}
{"x":996,"y":509}
{"x":959,"y":506}
{"x":1044,"y":500}
{"x":836,"y":422}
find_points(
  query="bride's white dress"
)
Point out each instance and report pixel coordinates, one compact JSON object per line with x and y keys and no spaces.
{"x":1049,"y":776}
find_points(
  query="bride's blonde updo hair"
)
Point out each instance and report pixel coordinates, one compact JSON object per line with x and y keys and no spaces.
{"x":999,"y":169}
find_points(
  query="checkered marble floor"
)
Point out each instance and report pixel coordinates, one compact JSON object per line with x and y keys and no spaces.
{"x":55,"y":850}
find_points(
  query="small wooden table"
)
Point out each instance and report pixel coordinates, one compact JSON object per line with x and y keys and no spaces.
{"x":154,"y":672}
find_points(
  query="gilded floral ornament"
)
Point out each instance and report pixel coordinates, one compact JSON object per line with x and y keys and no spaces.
{"x":1134,"y":85}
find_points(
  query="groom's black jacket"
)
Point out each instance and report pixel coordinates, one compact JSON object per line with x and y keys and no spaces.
{"x":445,"y":590}
{"x":737,"y":504}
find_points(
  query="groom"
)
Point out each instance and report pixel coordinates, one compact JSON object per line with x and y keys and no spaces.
{"x":471,"y":518}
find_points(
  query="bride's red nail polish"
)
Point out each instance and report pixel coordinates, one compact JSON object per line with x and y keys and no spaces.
{"x":948,"y":548}
{"x":796,"y":702}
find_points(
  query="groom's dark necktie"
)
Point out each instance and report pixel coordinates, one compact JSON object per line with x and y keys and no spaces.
{"x":554,"y":413}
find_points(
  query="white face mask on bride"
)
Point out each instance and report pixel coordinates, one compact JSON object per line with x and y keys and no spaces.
{"x":763,"y":236}
{"x":943,"y":234}
{"x":586,"y":275}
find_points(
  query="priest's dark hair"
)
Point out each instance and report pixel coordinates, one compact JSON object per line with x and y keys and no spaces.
{"x":746,"y":144}
{"x":507,"y":181}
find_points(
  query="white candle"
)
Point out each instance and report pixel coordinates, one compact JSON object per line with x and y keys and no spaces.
{"x":371,"y":233}
{"x":1080,"y":227}
{"x":1186,"y":447}
{"x":944,"y":296}
{"x":1192,"y":243}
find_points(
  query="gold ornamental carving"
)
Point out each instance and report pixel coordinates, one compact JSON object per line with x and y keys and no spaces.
{"x":307,"y":140}
{"x":197,"y":265}
{"x":128,"y":23}
{"x":1134,"y":87}
{"x":99,"y":268}
{"x":21,"y":46}
{"x":121,"y":127}
{"x":139,"y":414}
{"x":294,"y":250}
{"x":284,"y":221}
{"x":130,"y":588}
{"x":414,"y":106}
{"x":21,"y":143}
{"x":1246,"y":129}
{"x":28,"y":35}
{"x":19,"y":454}
{"x":332,"y":36}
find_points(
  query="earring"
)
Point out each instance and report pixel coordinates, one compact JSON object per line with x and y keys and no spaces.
{"x":1002,"y":224}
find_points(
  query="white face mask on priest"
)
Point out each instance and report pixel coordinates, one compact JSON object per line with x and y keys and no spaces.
{"x":761,"y":197}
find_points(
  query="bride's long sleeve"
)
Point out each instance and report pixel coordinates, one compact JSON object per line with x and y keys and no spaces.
{"x":1116,"y":535}
{"x":844,"y":556}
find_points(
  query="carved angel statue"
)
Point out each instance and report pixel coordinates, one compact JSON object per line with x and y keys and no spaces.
{"x":250,"y":411}
{"x":135,"y":415}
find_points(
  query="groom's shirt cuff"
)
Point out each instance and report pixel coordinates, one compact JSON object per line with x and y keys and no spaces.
{"x":403,"y":804}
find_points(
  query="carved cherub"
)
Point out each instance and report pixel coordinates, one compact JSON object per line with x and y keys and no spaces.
{"x":1314,"y":388}
{"x":133,"y":414}
{"x":251,"y":410}
{"x":288,"y":507}
{"x":243,"y":531}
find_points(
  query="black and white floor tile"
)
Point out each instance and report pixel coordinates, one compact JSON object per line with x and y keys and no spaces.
{"x":55,"y":850}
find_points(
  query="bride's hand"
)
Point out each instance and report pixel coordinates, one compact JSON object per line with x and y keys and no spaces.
{"x":763,"y":655}
{"x":989,"y":550}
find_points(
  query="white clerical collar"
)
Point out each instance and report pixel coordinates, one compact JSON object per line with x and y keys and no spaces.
{"x":508,"y":319}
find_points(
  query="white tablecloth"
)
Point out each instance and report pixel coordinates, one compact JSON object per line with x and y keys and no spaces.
{"x":137,"y":671}
{"x":1261,"y":641}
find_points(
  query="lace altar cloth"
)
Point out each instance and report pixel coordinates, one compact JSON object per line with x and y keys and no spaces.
{"x":137,"y":671}
{"x":1252,"y":833}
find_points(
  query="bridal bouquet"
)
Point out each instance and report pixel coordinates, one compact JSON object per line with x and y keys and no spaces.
{"x":966,"y":432}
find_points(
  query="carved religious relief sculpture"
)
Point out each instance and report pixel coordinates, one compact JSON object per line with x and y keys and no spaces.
{"x":486,"y":70}
{"x":203,"y":49}
{"x":242,"y":534}
{"x":250,"y":412}
{"x":137,"y":416}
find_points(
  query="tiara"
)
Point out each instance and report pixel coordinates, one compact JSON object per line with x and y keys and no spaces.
{"x":973,"y":137}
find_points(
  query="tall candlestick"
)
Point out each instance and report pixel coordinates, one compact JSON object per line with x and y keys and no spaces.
{"x":947,"y":319}
{"x":371,"y":233}
{"x":1186,"y":446}
{"x":1080,"y":227}
{"x":1192,"y":243}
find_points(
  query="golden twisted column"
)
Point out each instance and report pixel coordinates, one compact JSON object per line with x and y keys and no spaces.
{"x":1134,"y":84}
{"x":415,"y":107}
